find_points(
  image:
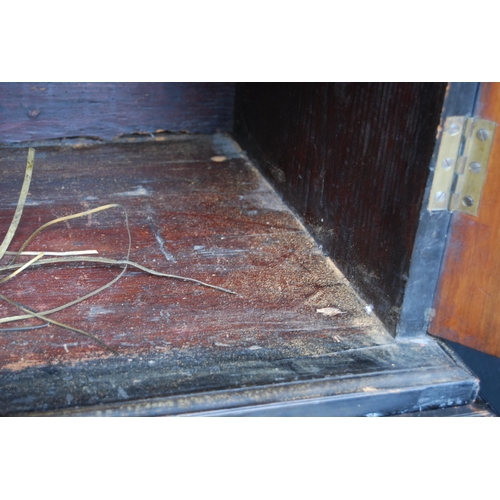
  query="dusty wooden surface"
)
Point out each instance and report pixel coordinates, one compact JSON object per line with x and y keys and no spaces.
{"x":35,"y":111}
{"x":467,"y":302}
{"x":218,"y":222}
{"x":352,"y":159}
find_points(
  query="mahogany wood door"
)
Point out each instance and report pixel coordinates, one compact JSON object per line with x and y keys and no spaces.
{"x":467,"y":302}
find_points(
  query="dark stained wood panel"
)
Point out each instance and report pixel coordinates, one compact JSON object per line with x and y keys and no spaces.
{"x":37,"y":111}
{"x":219,"y":222}
{"x":352,"y":160}
{"x":467,"y":301}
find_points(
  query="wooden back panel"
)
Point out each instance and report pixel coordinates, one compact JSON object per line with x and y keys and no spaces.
{"x":37,"y":111}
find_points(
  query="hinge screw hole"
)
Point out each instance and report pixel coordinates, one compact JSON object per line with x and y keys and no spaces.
{"x":453,"y":129}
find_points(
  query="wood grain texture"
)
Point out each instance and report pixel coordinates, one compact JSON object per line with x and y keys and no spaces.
{"x":36,"y":111}
{"x":467,"y":302}
{"x":352,"y":160}
{"x":219,"y":222}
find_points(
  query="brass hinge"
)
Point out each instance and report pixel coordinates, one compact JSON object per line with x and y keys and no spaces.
{"x":461,"y":164}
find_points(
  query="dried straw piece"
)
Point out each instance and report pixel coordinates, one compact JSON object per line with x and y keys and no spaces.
{"x":24,"y":328}
{"x":71,"y":253}
{"x":32,"y":313}
{"x":69,"y":217}
{"x":57,"y":323}
{"x":22,"y":268}
{"x":20,"y":203}
{"x":114,"y":262}
{"x":65,"y":259}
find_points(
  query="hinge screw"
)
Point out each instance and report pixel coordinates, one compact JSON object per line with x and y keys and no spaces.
{"x":453,"y":129}
{"x":440,"y":196}
{"x":468,"y":201}
{"x":482,"y":134}
{"x":447,"y":163}
{"x":475,"y":167}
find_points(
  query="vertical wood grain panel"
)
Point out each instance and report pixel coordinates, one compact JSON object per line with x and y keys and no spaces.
{"x":352,"y":159}
{"x":35,"y":111}
{"x":467,"y":302}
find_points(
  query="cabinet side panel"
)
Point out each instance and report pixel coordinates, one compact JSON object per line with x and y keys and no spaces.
{"x":352,"y":159}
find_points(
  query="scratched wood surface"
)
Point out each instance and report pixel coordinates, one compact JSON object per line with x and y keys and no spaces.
{"x":216,"y":221}
{"x":467,"y":301}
